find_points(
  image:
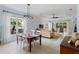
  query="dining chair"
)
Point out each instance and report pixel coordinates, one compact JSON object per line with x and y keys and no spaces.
{"x":21,"y":40}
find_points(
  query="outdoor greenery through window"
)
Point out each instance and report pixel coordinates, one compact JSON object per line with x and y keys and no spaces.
{"x":16,"y":24}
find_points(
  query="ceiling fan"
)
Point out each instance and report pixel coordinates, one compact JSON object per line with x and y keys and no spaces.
{"x":28,"y":12}
{"x":55,"y":17}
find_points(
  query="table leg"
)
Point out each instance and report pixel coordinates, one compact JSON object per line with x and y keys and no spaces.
{"x":17,"y":39}
{"x":30,"y":45}
{"x":40,"y":40}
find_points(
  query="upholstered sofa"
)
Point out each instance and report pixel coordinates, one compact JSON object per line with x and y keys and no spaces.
{"x":47,"y":33}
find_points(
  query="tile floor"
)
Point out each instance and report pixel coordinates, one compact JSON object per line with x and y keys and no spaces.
{"x":49,"y":46}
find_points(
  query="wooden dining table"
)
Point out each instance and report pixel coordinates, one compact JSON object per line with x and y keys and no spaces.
{"x":31,"y":39}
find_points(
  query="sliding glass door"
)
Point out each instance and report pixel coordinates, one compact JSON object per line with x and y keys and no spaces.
{"x":16,"y":25}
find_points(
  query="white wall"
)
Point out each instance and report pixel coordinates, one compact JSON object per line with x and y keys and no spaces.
{"x":1,"y":27}
{"x":32,"y":24}
{"x":78,"y":18}
{"x":5,"y":25}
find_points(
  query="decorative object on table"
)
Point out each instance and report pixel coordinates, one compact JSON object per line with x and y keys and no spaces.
{"x":75,"y":28}
{"x":66,"y":48}
{"x":73,"y":38}
{"x":77,"y":43}
{"x":41,"y":26}
{"x":29,"y":34}
{"x":0,"y":42}
{"x":32,"y":32}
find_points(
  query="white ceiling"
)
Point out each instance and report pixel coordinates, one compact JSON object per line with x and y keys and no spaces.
{"x":44,"y":9}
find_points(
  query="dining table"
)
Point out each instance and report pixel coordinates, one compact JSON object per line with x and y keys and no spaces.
{"x":33,"y":38}
{"x":30,"y":39}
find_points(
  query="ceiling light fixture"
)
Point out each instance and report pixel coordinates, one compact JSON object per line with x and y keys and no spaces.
{"x":53,"y":16}
{"x":28,"y":12}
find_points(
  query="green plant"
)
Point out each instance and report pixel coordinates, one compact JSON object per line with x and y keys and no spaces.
{"x":19,"y":24}
{"x":57,"y":25}
{"x":13,"y":23}
{"x":64,"y":25}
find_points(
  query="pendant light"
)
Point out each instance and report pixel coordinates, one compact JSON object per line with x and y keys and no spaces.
{"x":28,"y":16}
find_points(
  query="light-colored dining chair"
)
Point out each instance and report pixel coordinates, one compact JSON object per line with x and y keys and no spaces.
{"x":21,"y":40}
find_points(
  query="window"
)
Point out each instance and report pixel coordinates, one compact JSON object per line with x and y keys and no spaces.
{"x":16,"y":25}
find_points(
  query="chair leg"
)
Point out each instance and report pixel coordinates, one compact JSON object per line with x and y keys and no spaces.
{"x":20,"y":44}
{"x":23,"y":42}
